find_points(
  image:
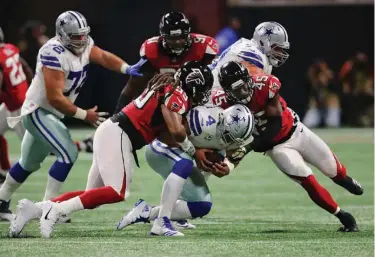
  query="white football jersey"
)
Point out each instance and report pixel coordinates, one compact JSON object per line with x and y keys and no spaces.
{"x":206,"y":126}
{"x":243,"y":50}
{"x":54,"y":55}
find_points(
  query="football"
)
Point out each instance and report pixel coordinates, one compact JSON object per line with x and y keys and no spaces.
{"x":214,"y":157}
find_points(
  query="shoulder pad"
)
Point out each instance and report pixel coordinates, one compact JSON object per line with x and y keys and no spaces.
{"x":150,"y":48}
{"x":52,"y":56}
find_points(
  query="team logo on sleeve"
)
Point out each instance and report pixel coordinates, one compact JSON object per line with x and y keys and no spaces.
{"x":195,"y":76}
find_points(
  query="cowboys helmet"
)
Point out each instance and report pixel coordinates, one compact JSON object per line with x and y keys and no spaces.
{"x":272,"y":39}
{"x":73,"y":31}
{"x":175,"y":33}
{"x":196,"y":80}
{"x":238,"y":124}
{"x":236,"y":81}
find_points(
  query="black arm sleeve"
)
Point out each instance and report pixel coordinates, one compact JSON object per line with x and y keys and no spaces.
{"x":264,"y":142}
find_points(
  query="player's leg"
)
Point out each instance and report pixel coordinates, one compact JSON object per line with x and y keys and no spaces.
{"x":50,"y":130}
{"x":4,"y":154}
{"x":316,"y":152}
{"x":194,"y":201}
{"x":291,"y":163}
{"x":114,"y":160}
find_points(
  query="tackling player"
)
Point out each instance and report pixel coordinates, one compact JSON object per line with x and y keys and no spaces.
{"x":289,"y":143}
{"x":159,"y":108}
{"x":15,"y":74}
{"x":165,"y":53}
{"x":210,"y":128}
{"x":60,"y":73}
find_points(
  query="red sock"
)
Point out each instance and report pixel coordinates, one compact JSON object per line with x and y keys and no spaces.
{"x":99,"y":196}
{"x":67,"y":196}
{"x":319,"y":194}
{"x":341,"y":170}
{"x":4,"y":155}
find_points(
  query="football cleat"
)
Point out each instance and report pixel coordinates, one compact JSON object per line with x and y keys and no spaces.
{"x":64,"y":218}
{"x":184,"y":224}
{"x":350,"y":184}
{"x":140,"y":213}
{"x":26,"y":211}
{"x":50,"y":216}
{"x":163,"y":227}
{"x":5,"y":212}
{"x":350,"y":225}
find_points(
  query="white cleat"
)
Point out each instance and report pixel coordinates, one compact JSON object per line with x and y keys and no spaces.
{"x":140,"y":213}
{"x":64,"y":218}
{"x":184,"y":224}
{"x":163,"y":227}
{"x":26,"y":211}
{"x":50,"y":216}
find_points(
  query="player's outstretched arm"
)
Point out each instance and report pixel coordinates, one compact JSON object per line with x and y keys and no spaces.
{"x":27,"y":70}
{"x":113,"y":62}
{"x":54,"y":83}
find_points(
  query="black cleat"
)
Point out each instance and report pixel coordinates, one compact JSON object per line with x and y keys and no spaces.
{"x":5,"y":212}
{"x":350,"y":225}
{"x":350,"y":184}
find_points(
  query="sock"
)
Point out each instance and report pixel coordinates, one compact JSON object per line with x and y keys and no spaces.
{"x":4,"y":155}
{"x":78,"y":144}
{"x":66,"y":196}
{"x":57,"y":175}
{"x":173,"y":186}
{"x":341,"y":170}
{"x":319,"y":194}
{"x":14,"y":179}
{"x":183,"y":210}
{"x":72,"y":205}
{"x":98,"y":196}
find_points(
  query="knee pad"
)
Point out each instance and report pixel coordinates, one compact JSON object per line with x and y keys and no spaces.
{"x":183,"y":168}
{"x":199,"y":209}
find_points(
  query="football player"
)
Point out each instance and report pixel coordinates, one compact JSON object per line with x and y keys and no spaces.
{"x":290,"y":144}
{"x":60,"y":73}
{"x":210,"y":128}
{"x":165,"y":53}
{"x":15,"y":76}
{"x":158,"y":108}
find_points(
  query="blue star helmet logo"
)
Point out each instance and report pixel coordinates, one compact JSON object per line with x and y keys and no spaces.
{"x":62,"y":23}
{"x":268,"y":32}
{"x":236,"y":119}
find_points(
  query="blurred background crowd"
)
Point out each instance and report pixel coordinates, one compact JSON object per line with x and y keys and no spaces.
{"x":328,"y":78}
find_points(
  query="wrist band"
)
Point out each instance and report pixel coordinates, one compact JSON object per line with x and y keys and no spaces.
{"x":80,"y":114}
{"x":124,"y":67}
{"x":229,"y":164}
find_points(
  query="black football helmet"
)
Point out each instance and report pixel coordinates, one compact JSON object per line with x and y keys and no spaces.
{"x":235,"y":79}
{"x":196,"y":80}
{"x":175,"y":32}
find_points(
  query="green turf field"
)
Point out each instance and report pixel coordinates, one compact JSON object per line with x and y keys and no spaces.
{"x":257,"y":211}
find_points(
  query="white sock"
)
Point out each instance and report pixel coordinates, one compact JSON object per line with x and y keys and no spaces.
{"x":180,"y":211}
{"x":72,"y":205}
{"x":52,"y":189}
{"x":8,"y":188}
{"x":333,"y":117}
{"x":171,"y":192}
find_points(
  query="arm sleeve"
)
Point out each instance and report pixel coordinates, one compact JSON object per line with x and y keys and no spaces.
{"x":263,"y":142}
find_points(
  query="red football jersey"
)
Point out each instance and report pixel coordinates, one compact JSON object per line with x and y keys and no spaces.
{"x":203,"y":48}
{"x":145,"y":111}
{"x":13,"y":90}
{"x":265,"y":88}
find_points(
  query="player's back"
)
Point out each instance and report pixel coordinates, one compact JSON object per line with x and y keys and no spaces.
{"x":14,"y":85}
{"x":53,"y":55}
{"x":202,"y":47}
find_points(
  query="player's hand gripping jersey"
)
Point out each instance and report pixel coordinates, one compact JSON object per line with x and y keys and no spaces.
{"x":53,"y":55}
{"x":143,"y":120}
{"x":14,"y":86}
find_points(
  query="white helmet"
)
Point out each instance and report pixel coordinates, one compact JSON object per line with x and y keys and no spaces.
{"x":238,"y":124}
{"x":272,"y":39}
{"x":73,"y":31}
